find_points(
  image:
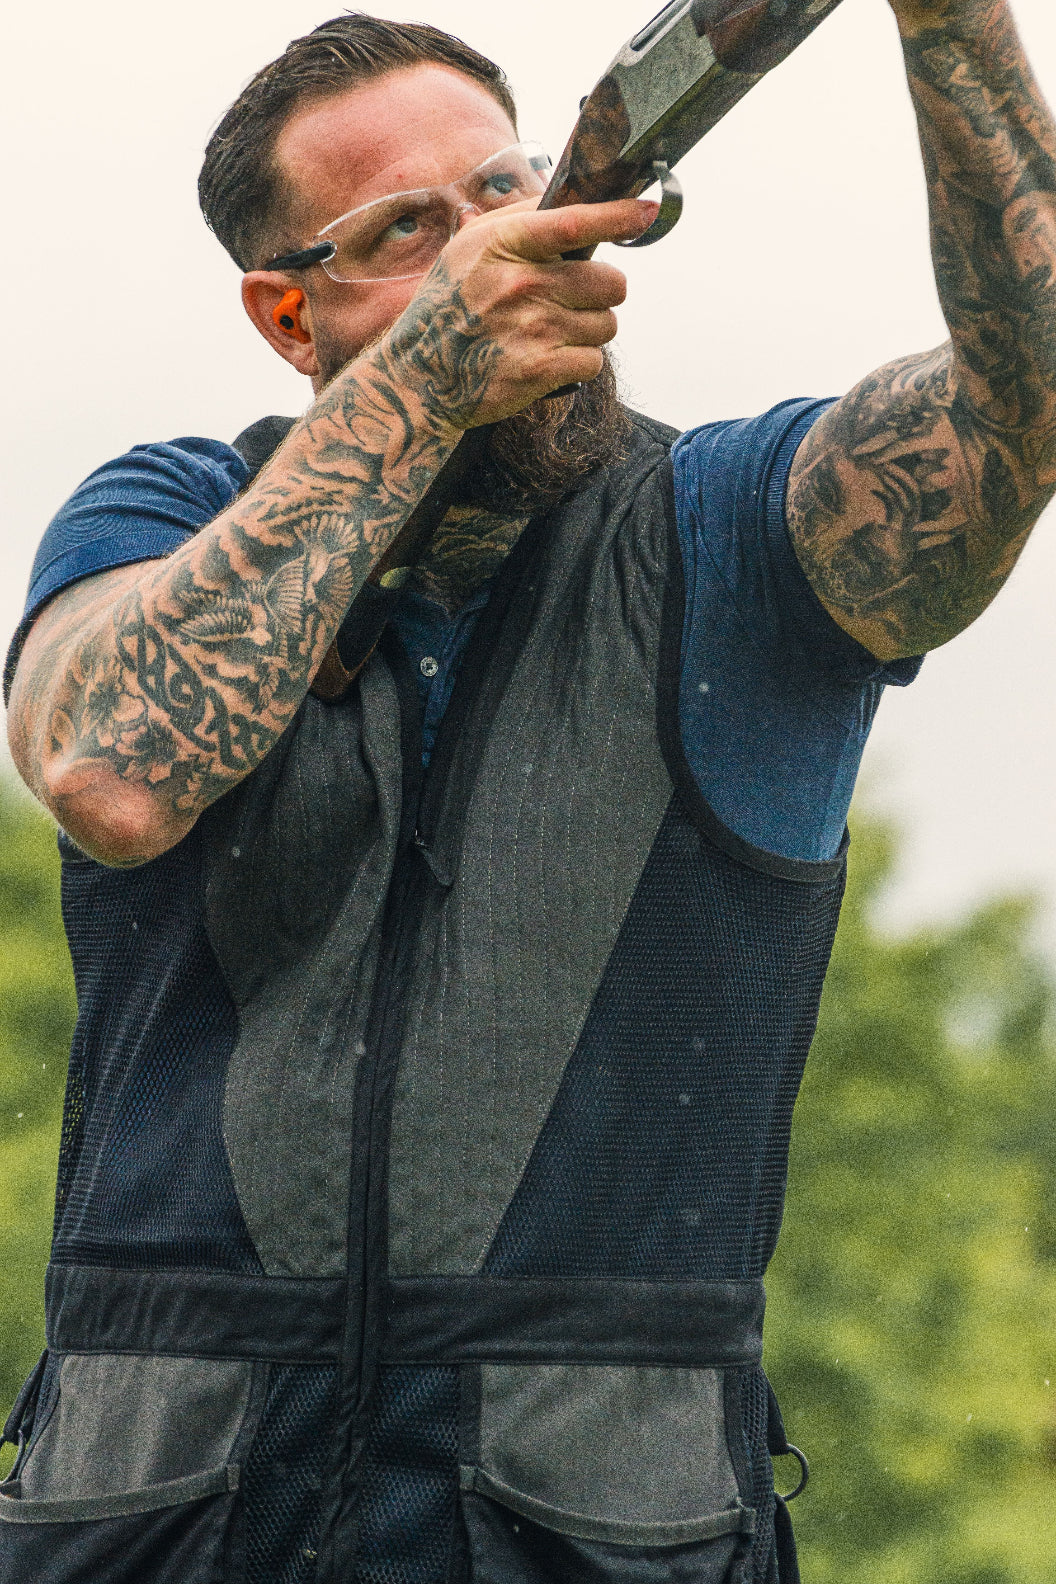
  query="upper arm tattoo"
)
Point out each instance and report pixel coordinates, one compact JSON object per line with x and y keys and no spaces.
{"x":912,"y":497}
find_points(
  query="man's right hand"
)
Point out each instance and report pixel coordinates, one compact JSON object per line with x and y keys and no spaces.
{"x":133,"y":708}
{"x":503,"y":319}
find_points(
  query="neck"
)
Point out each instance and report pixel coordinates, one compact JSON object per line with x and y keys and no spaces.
{"x":467,"y":549}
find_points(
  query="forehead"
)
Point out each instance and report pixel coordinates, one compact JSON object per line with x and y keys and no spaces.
{"x":410,"y":128}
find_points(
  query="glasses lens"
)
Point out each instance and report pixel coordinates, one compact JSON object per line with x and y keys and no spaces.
{"x":397,"y":236}
{"x":404,"y":234}
{"x":508,"y":177}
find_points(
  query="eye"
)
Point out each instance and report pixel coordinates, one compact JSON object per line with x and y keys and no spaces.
{"x":501,"y":185}
{"x":498,"y":188}
{"x":406,"y":225}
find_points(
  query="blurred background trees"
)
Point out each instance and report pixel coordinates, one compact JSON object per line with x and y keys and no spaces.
{"x":911,"y":1332}
{"x":912,"y":1312}
{"x":36,"y":1022}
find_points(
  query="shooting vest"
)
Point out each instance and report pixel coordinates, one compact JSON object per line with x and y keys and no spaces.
{"x":426,"y":1133}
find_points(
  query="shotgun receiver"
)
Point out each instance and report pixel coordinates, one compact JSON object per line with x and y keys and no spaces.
{"x":666,"y":89}
{"x":669,"y":85}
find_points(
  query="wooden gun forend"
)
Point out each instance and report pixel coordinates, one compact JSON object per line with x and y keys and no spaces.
{"x":669,"y":85}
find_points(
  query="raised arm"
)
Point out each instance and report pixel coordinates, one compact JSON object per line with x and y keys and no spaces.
{"x":911,"y":499}
{"x":144,"y":694}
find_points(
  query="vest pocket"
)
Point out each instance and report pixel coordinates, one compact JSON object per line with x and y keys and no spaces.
{"x":600,"y":1474}
{"x":512,"y":1539}
{"x":131,"y":1477}
{"x":172,"y":1533}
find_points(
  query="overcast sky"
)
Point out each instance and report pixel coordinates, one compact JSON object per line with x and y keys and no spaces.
{"x":800,"y":264}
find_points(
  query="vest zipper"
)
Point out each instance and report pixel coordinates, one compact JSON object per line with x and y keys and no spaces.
{"x":418,"y":875}
{"x":366,"y":1222}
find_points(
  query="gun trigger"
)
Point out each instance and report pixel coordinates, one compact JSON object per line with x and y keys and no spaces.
{"x":671,"y":200}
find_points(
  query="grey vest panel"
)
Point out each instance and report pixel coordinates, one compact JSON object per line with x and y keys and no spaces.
{"x":111,"y":1428}
{"x":299,"y":863}
{"x":542,"y":859}
{"x":622,"y":1448}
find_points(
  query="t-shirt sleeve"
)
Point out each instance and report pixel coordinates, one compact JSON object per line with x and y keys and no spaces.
{"x":139,"y":506}
{"x":776,"y":700}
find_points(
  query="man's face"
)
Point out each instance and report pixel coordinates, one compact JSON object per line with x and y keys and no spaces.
{"x":419,"y":127}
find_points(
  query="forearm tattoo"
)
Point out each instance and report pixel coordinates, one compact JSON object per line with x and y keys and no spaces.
{"x":186,"y":681}
{"x":912,"y":497}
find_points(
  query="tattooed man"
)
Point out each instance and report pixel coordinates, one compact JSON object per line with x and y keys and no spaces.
{"x":440,"y":1026}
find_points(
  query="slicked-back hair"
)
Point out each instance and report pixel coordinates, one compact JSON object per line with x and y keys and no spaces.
{"x":240,"y":189}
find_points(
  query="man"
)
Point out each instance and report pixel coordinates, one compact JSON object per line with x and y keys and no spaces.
{"x":428,"y":1110}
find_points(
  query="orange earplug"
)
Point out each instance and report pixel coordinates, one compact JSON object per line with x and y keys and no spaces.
{"x":287,"y":315}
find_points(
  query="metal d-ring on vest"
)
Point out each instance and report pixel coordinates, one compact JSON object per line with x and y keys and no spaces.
{"x":801,"y":1458}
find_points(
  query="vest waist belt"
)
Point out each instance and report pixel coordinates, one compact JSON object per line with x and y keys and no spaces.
{"x":429,"y":1319}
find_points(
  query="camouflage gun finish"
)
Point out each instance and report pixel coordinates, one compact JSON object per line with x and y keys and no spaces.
{"x":669,"y":85}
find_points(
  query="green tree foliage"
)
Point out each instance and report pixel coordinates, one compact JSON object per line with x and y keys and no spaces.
{"x":911,"y":1304}
{"x":910,"y":1333}
{"x":36,"y":1021}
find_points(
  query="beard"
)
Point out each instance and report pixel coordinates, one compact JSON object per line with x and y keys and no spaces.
{"x":538,"y":456}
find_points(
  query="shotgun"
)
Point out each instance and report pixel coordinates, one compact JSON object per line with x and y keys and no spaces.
{"x":668,"y":86}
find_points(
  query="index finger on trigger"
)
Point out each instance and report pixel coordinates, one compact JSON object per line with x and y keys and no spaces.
{"x":555,"y":232}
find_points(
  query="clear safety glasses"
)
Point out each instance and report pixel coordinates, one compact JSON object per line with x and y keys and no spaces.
{"x":402,"y":235}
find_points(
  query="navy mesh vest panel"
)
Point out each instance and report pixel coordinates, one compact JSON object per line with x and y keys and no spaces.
{"x":144,"y":1178}
{"x":665,"y":1151}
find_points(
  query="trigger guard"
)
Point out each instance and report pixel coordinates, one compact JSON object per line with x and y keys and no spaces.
{"x":671,"y":200}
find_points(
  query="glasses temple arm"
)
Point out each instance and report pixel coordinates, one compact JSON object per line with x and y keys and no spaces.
{"x":319,"y":254}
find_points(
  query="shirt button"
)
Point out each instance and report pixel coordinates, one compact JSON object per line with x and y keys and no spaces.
{"x":428,"y":666}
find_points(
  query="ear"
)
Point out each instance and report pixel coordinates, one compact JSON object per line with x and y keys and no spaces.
{"x":262,"y":291}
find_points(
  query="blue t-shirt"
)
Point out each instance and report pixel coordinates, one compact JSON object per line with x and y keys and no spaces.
{"x":776,"y":700}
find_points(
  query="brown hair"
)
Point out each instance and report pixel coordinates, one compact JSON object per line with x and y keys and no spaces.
{"x":240,"y":188}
